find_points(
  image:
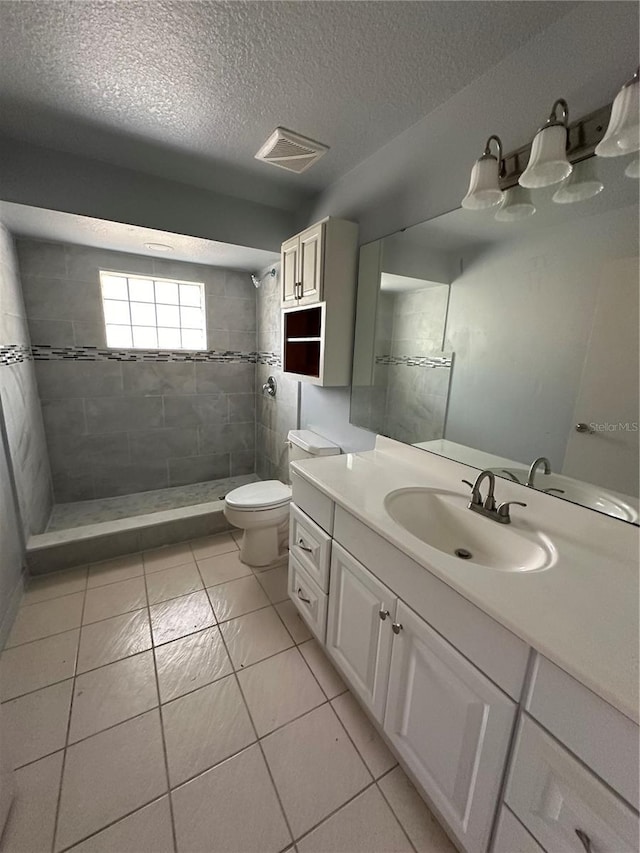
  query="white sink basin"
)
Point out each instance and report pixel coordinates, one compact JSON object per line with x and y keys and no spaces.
{"x":576,"y":491}
{"x":443,"y":520}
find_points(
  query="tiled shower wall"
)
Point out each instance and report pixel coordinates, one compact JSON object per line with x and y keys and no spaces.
{"x":118,"y":427}
{"x":25,"y":480}
{"x":274,"y":416}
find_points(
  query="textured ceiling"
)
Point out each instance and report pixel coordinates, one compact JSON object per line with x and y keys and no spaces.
{"x":24,"y":221}
{"x":190,"y":90}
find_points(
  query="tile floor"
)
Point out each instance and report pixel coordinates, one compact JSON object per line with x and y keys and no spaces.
{"x":174,"y":701}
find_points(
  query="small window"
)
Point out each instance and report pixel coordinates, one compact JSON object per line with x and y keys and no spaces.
{"x":153,"y":313}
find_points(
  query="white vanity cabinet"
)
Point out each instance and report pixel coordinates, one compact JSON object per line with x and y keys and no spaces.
{"x":359,"y":630}
{"x":451,"y":726}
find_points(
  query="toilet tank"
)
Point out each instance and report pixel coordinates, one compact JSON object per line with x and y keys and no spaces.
{"x":304,"y":444}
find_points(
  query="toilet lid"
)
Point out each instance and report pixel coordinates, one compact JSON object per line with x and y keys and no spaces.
{"x":262,"y":495}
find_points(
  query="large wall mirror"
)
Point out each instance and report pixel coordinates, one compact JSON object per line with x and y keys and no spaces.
{"x":495,"y":342}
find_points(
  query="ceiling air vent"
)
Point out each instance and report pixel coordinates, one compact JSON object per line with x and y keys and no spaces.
{"x":290,"y":151}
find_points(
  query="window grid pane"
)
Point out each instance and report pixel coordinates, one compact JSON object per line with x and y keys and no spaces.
{"x":147,"y":313}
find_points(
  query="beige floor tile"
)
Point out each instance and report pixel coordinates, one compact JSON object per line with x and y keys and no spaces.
{"x":256,"y":636}
{"x":278,"y":690}
{"x":231,"y":808}
{"x":36,"y":724}
{"x":323,"y":669}
{"x":114,"y":599}
{"x":237,"y":535}
{"x":181,"y":616}
{"x":205,"y":727}
{"x":112,"y":639}
{"x":426,"y":834}
{"x":315,"y":767}
{"x":365,"y":825}
{"x":236,"y":598}
{"x":191,"y":662}
{"x":274,"y":583}
{"x":294,"y":623}
{"x":32,"y":819}
{"x":170,"y":583}
{"x":117,"y":569}
{"x":109,"y":775}
{"x":145,"y":831}
{"x":54,"y":585}
{"x":112,"y":694}
{"x":46,"y":618}
{"x":211,"y":546}
{"x":38,"y":664}
{"x":222,"y":568}
{"x":368,"y":742}
{"x":167,"y":557}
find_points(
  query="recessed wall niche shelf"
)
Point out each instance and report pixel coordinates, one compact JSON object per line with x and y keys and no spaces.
{"x":318,"y":298}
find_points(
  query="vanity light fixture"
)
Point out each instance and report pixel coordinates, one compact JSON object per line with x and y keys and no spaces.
{"x":633,"y":169}
{"x":582,"y":183}
{"x":517,"y":205}
{"x":623,"y":132}
{"x":548,"y":163}
{"x":484,"y":187}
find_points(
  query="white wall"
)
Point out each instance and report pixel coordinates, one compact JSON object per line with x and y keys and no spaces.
{"x":424,"y":172}
{"x":53,"y":180}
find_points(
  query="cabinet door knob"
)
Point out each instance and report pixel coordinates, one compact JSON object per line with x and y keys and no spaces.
{"x":396,"y":627}
{"x":302,"y":544}
{"x":584,"y":838}
{"x":301,"y":596}
{"x":383,"y":614}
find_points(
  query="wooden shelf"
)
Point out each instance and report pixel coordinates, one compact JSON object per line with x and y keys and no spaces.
{"x":303,"y":340}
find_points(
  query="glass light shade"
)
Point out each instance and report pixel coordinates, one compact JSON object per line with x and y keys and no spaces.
{"x":517,"y":205}
{"x":623,"y":132}
{"x":633,"y":169}
{"x":548,"y":162}
{"x":582,"y":183}
{"x":484,"y":187}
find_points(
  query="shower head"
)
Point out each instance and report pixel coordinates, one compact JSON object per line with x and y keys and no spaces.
{"x":257,"y":281}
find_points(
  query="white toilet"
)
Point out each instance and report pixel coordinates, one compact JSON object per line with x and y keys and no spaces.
{"x":262,"y":509}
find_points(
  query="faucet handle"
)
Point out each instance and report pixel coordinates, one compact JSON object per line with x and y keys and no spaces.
{"x":467,"y":483}
{"x":476,"y":497}
{"x":503,"y":510}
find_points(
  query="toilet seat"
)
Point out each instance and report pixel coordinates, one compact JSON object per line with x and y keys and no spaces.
{"x":267,"y":494}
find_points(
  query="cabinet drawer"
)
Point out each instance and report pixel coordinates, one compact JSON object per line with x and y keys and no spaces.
{"x":512,"y":837}
{"x":602,"y":737}
{"x":311,"y":547}
{"x":308,"y":598}
{"x":312,"y":502}
{"x":556,"y":798}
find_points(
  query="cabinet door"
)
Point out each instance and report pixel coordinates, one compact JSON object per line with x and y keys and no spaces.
{"x":451,"y":725}
{"x":311,"y":264}
{"x":289,"y":267}
{"x":358,"y":639}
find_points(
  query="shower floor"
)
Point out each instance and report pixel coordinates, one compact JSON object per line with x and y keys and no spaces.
{"x":83,"y":513}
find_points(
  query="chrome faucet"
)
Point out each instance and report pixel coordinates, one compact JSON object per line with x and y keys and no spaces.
{"x":541,"y":460}
{"x":487,"y":507}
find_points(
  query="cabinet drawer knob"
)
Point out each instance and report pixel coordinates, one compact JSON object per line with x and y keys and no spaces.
{"x":303,"y":545}
{"x":396,"y":627}
{"x":383,"y":614}
{"x":584,"y":838}
{"x":302,"y":597}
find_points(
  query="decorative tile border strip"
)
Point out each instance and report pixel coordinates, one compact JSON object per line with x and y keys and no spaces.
{"x":416,"y":360}
{"x":13,"y":354}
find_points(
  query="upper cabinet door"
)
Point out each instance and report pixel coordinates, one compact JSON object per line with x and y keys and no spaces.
{"x":289,"y":257}
{"x":311,"y":264}
{"x":451,"y":725}
{"x":359,"y":633}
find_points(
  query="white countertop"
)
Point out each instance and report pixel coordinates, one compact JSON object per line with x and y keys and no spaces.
{"x":582,"y":613}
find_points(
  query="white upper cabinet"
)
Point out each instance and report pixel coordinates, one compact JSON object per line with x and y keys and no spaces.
{"x":359,"y":629}
{"x":289,"y":255}
{"x":451,"y":726}
{"x":302,"y":259}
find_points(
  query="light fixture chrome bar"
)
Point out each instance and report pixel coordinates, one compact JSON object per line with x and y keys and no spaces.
{"x":583,"y":136}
